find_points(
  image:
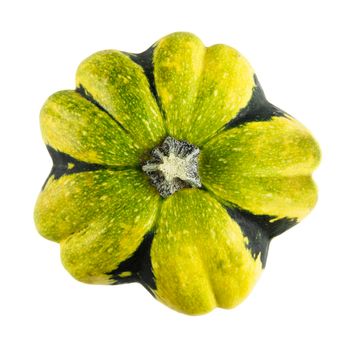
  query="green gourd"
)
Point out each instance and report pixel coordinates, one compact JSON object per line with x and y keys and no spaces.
{"x":170,"y":168}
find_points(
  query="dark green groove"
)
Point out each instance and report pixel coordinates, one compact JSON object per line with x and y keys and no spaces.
{"x":257,"y":109}
{"x":62,"y":160}
{"x":259,"y":230}
{"x":145,"y":61}
{"x":139,"y":265}
{"x":81,"y":90}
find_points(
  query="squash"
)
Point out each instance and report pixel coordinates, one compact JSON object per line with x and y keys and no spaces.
{"x":171,"y":169}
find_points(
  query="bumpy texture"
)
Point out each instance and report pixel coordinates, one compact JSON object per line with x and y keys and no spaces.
{"x":200,"y":247}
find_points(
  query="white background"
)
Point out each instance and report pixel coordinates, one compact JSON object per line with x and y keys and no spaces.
{"x":300,"y":52}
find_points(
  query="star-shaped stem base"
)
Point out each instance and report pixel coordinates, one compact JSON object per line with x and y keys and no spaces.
{"x":173,"y":166}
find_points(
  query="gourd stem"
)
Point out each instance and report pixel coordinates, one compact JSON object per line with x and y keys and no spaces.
{"x":173,"y":165}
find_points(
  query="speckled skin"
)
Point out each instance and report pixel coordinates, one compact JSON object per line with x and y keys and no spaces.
{"x":199,"y":248}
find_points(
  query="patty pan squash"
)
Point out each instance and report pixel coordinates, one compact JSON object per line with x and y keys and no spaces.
{"x":170,"y":168}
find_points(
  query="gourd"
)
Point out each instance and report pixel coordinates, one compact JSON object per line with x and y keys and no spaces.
{"x":171,"y":169}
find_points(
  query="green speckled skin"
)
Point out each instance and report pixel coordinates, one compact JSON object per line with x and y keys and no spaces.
{"x":199,"y":248}
{"x":120,"y":87}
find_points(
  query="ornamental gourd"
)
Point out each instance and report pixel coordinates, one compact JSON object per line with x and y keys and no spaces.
{"x":170,"y":168}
